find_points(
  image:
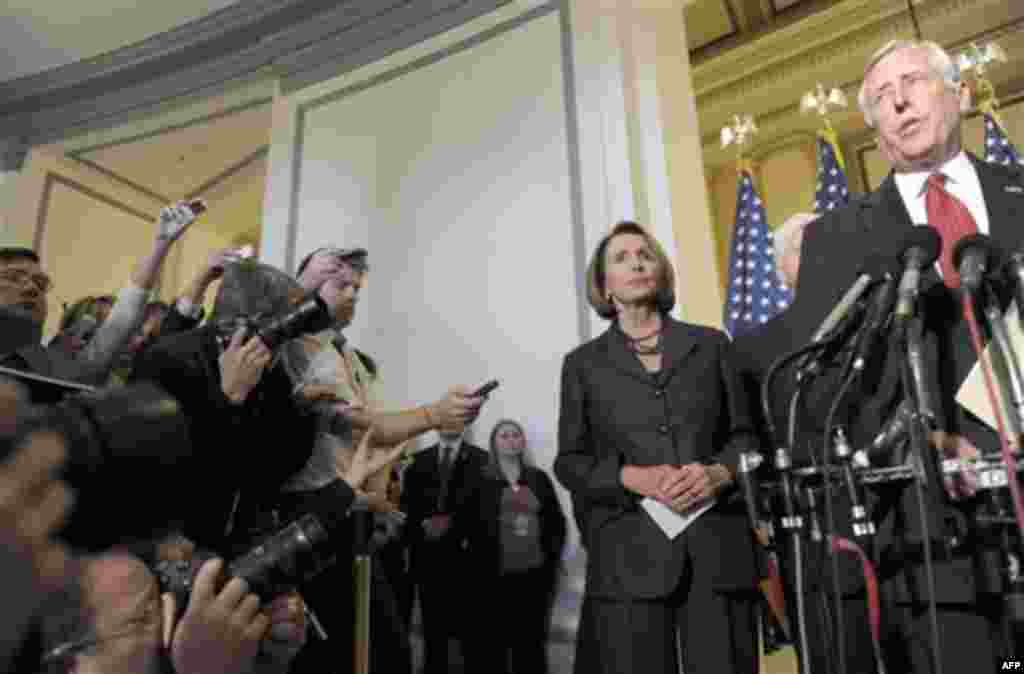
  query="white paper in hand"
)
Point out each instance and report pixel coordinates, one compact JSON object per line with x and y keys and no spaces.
{"x":671,"y":522}
{"x":973,"y":396}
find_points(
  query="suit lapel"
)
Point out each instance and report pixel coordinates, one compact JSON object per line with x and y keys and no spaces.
{"x":1004,"y":200}
{"x":620,"y":357}
{"x":889,"y":221}
{"x":678,"y":342}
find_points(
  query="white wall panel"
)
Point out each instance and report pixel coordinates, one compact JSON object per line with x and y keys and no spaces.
{"x":455,"y":175}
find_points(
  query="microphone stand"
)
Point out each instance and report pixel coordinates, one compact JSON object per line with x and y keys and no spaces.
{"x":1008,"y":379}
{"x":792,"y":524}
{"x":923,"y":460}
{"x":791,"y":521}
{"x":362,"y":530}
{"x":1006,"y":367}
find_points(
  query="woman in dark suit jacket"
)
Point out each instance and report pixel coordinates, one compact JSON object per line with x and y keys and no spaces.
{"x":652,"y":416}
{"x":516,"y":531}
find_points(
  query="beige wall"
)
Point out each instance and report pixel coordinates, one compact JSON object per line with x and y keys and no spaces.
{"x":90,"y":230}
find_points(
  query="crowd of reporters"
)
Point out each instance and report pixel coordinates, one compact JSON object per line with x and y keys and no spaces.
{"x":182,"y":492}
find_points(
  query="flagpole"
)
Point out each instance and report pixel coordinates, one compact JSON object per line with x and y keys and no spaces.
{"x":913,"y":20}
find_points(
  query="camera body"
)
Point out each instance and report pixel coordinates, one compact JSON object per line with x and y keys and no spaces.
{"x":309,"y":315}
{"x":277,"y":564}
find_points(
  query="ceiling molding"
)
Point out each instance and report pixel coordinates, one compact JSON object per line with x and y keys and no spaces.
{"x":745,"y":66}
{"x":117,"y":177}
{"x":52,"y":178}
{"x":340,"y":55}
{"x":77,"y":152}
{"x":771,"y":91}
{"x":302,"y":40}
{"x":175,"y":49}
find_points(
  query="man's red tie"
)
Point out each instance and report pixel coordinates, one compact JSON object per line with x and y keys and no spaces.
{"x":952,"y":220}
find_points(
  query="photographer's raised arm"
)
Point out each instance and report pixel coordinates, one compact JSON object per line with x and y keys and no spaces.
{"x":457,"y":408}
{"x":128,"y":312}
{"x":187,"y":310}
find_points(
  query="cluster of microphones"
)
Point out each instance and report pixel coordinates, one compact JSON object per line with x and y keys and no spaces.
{"x":880,"y":308}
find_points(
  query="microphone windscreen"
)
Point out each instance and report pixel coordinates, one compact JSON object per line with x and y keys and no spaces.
{"x":979,"y":242}
{"x":926,"y":241}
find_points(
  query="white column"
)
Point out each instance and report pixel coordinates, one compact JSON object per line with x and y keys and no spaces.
{"x":277,"y":236}
{"x":640,"y":150}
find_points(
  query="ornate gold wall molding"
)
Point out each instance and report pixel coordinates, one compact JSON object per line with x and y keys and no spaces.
{"x":766,"y":77}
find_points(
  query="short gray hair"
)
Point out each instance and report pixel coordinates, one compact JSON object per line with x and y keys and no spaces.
{"x":940,"y":63}
{"x":787,"y":237}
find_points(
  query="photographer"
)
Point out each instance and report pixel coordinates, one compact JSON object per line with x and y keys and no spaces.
{"x":340,"y":385}
{"x":33,"y":504}
{"x":130,"y":628}
{"x":187,"y":311}
{"x":23,"y":305}
{"x":248,"y":433}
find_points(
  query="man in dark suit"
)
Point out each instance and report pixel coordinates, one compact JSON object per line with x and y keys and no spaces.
{"x":913,"y":97}
{"x":437,"y":484}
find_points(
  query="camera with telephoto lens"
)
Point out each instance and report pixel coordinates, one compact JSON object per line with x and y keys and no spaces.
{"x":268,"y":303}
{"x":309,"y":316}
{"x":125,"y":446}
{"x":277,"y":564}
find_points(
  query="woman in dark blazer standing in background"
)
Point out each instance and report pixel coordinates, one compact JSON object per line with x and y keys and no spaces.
{"x":652,"y":414}
{"x":516,"y":532}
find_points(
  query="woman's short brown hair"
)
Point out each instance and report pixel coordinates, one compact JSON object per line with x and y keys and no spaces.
{"x":664,"y":296}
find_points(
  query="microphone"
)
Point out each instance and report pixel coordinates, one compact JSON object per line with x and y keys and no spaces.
{"x":893,"y":433}
{"x":874,"y":268}
{"x":973,"y":257}
{"x":749,"y":463}
{"x":920,"y":250}
{"x":1014,"y":271}
{"x":879,"y":309}
{"x":918,"y":368}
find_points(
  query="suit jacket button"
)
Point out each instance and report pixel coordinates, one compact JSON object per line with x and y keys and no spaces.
{"x":663,"y":429}
{"x":658,"y":393}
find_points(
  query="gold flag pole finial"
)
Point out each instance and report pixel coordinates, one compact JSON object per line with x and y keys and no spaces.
{"x":740,"y":133}
{"x":824,"y":102}
{"x":975,"y":61}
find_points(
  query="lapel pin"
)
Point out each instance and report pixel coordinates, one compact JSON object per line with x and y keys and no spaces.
{"x":1014,"y":189}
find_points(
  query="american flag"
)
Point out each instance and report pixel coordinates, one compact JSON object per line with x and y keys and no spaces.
{"x":833,"y":191}
{"x":755,"y":291}
{"x":998,"y":148}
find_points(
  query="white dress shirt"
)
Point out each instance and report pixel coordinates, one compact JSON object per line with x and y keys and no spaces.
{"x":445,"y":447}
{"x":961,"y":181}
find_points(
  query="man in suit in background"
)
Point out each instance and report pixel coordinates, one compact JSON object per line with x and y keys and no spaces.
{"x":437,"y":484}
{"x":912,"y":95}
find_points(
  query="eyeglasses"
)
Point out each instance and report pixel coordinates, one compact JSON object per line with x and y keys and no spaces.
{"x":21,"y":278}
